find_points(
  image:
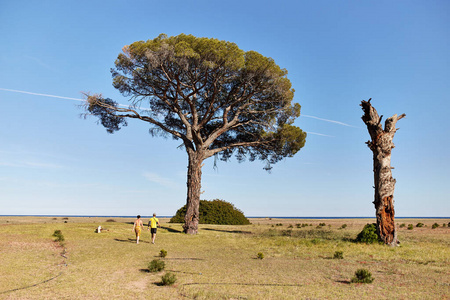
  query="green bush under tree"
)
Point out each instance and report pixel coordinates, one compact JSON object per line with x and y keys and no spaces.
{"x":368,"y":235}
{"x":214,"y":212}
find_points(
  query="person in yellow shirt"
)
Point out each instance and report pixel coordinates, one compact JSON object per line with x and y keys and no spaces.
{"x":152,"y":224}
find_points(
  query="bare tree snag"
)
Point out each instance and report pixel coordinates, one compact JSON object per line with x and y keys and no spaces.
{"x":381,"y":146}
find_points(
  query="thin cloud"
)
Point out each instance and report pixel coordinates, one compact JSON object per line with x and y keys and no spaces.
{"x":330,"y":121}
{"x":155,"y":178}
{"x":41,"y":63}
{"x":30,"y":164}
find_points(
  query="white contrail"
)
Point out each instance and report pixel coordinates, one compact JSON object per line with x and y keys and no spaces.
{"x":81,"y":100}
{"x":321,"y":134}
{"x":45,"y":95}
{"x":326,"y":120}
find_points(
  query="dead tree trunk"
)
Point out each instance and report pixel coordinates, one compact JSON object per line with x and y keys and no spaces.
{"x":381,"y":146}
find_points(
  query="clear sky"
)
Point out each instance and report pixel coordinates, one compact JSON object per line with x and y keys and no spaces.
{"x":337,"y":53}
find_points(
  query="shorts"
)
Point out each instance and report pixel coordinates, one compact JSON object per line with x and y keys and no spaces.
{"x":153,"y":230}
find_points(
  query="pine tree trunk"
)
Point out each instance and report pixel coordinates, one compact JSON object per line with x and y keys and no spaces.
{"x":381,"y":146}
{"x":194,"y":179}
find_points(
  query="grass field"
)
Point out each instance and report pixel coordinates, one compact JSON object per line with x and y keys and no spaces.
{"x":221,"y":261}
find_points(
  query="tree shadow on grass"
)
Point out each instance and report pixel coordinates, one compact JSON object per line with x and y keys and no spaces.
{"x":170,"y":229}
{"x":228,"y":231}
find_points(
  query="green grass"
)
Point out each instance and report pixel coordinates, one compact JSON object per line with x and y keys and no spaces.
{"x":220,"y":262}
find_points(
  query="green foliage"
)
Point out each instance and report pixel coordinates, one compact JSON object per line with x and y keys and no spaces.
{"x":246,"y":87}
{"x":260,"y":255}
{"x":156,"y":265}
{"x":410,"y":226}
{"x":162,"y":253}
{"x":110,"y":220}
{"x":435,"y":225}
{"x":214,"y":212}
{"x":168,"y":279}
{"x":362,"y":276}
{"x":368,"y":235}
{"x":420,"y":224}
{"x":343,"y":226}
{"x":338,"y":255}
{"x":402,"y":225}
{"x":59,"y":237}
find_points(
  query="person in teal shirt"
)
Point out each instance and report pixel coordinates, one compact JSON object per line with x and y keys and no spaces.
{"x":152,"y":225}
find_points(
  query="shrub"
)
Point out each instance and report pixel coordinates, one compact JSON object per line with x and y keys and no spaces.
{"x":163,"y":253}
{"x":338,"y":255}
{"x":419,"y":225}
{"x":214,"y":212}
{"x":343,"y":226}
{"x":435,"y":225}
{"x":402,"y":225}
{"x":368,"y":235}
{"x":59,"y":237}
{"x":410,"y":226}
{"x":260,"y":255}
{"x":168,"y":279}
{"x":156,"y":265}
{"x":290,"y":226}
{"x":322,"y":224}
{"x":110,"y":220}
{"x":362,"y":276}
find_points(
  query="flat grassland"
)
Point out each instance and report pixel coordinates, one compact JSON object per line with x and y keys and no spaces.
{"x":221,"y":261}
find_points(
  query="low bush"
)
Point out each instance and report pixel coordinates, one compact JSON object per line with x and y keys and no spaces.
{"x":59,"y":237}
{"x":162,"y":253}
{"x":168,"y":279}
{"x":410,"y":226}
{"x":260,"y":255}
{"x":368,"y":235}
{"x":214,"y":212}
{"x":338,"y":255}
{"x":343,"y":226}
{"x":110,"y":220}
{"x":156,"y":265}
{"x":402,"y":225}
{"x":419,"y":224}
{"x":435,"y":225}
{"x":362,"y":276}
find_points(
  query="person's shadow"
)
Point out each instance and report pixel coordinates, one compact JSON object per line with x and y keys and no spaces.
{"x":130,"y":241}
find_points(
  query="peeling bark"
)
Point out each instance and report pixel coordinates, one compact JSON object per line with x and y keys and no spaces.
{"x":381,"y":146}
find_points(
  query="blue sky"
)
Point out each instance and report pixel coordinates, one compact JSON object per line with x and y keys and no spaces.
{"x":337,"y":53}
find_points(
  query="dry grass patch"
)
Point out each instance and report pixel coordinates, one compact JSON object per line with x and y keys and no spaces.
{"x":221,"y":263}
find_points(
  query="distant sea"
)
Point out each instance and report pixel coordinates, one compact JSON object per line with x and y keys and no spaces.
{"x":253,"y":217}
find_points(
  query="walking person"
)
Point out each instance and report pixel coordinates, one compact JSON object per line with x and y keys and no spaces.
{"x":152,"y":224}
{"x":137,"y":228}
